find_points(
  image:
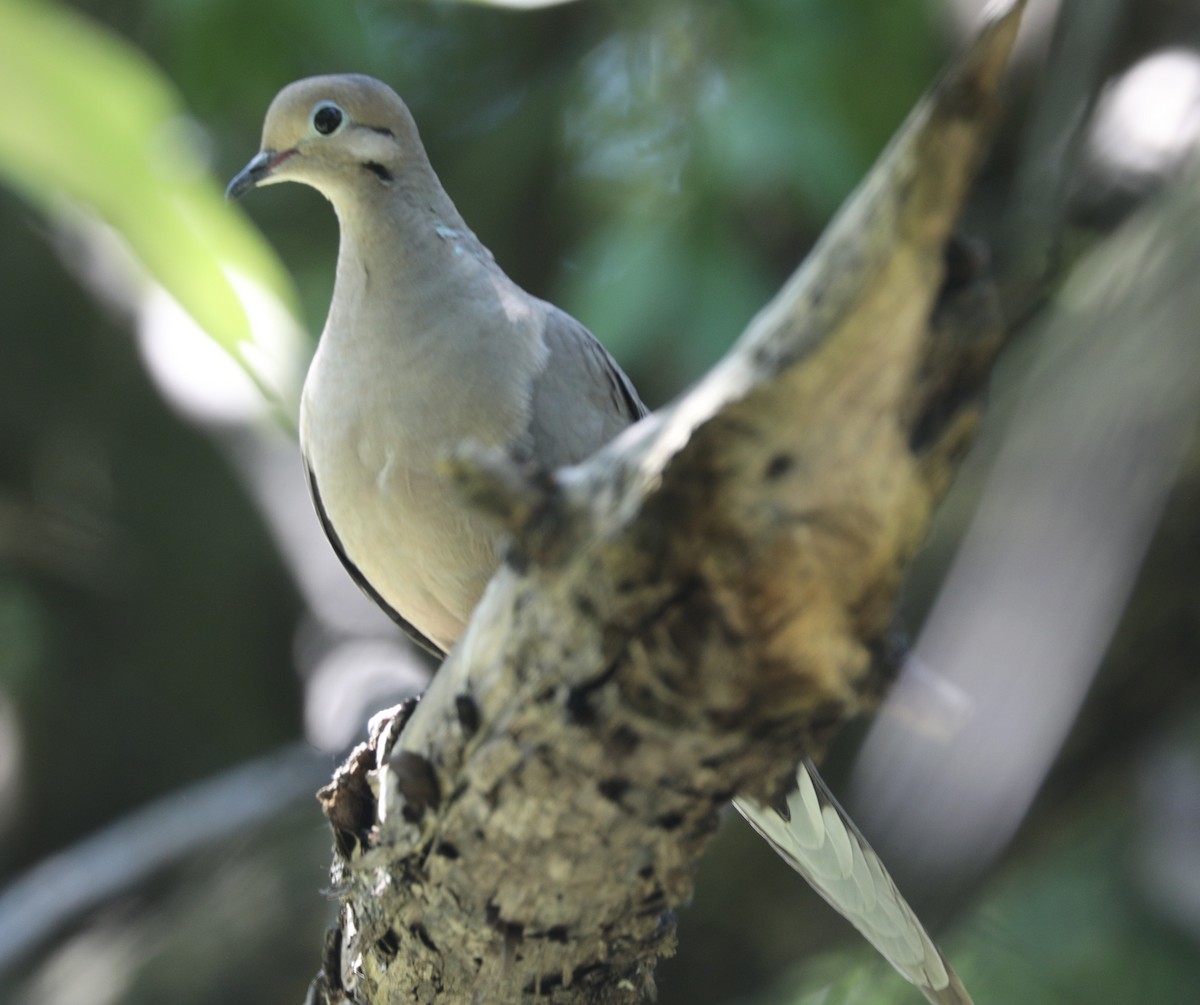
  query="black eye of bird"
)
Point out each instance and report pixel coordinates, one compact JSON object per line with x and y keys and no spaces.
{"x":327,"y":118}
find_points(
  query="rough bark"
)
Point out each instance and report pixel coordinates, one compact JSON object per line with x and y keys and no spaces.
{"x":679,"y":618}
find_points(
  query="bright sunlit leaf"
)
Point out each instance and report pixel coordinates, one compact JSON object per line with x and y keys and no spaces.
{"x":100,"y":127}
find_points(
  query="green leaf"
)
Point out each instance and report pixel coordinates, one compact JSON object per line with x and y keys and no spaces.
{"x":98,"y":126}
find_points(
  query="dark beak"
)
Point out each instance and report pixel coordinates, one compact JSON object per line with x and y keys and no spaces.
{"x":253,"y":174}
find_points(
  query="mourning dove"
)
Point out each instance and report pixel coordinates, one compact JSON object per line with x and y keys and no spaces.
{"x":429,"y":344}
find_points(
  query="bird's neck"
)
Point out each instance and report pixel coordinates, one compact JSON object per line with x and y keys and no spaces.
{"x":404,"y":254}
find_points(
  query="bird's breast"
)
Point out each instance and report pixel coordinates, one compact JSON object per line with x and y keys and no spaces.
{"x":373,"y":445}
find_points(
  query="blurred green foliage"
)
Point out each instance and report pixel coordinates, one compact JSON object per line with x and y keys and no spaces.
{"x":125,"y":151}
{"x":655,"y":168}
{"x":146,"y":618}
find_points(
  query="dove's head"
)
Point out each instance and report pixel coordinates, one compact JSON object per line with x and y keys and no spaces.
{"x":339,"y":134}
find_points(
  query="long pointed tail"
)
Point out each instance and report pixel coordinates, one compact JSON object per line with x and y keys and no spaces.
{"x":816,"y":837}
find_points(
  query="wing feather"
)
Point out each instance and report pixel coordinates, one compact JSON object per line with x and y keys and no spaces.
{"x":581,"y":398}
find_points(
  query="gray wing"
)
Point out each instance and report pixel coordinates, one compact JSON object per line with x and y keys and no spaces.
{"x":581,"y":399}
{"x":817,"y":839}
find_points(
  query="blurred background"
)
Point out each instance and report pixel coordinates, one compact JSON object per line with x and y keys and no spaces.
{"x":182,"y":660}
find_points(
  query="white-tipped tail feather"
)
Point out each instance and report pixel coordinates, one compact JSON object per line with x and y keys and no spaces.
{"x":821,"y":843}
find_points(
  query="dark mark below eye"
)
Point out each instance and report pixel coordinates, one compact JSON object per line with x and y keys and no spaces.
{"x":377,"y":169}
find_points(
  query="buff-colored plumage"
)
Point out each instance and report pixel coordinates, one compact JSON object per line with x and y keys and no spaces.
{"x":428,"y":344}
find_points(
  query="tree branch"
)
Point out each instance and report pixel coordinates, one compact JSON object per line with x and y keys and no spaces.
{"x":679,"y":618}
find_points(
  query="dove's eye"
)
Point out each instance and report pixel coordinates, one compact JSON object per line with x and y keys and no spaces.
{"x":327,"y":118}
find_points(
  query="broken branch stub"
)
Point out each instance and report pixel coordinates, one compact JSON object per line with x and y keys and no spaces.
{"x":693,"y":608}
